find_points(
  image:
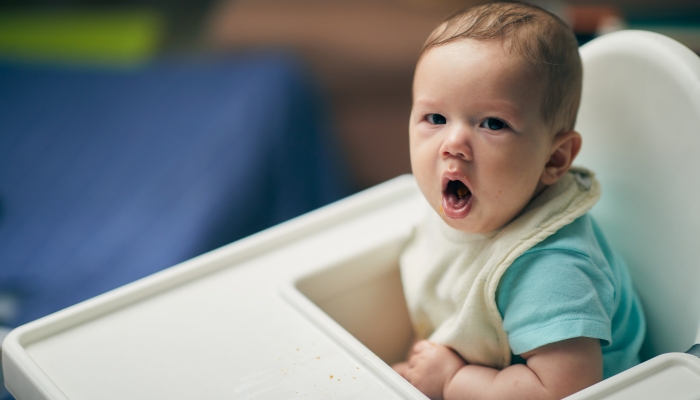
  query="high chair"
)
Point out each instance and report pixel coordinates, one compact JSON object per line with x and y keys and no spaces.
{"x":314,"y":307}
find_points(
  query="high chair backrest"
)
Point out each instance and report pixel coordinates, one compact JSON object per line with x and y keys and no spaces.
{"x":640,"y":123}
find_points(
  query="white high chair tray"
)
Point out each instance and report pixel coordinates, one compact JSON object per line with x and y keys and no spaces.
{"x":230,"y":323}
{"x":246,"y":321}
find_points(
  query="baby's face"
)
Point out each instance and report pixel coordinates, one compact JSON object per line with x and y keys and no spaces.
{"x":478,"y":143}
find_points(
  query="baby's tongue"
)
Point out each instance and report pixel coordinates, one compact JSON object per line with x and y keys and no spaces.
{"x":451,"y":200}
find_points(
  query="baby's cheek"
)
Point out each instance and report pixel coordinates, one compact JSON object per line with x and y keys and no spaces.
{"x":514,"y":189}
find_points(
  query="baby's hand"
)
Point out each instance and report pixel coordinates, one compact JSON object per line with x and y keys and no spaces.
{"x":430,"y":368}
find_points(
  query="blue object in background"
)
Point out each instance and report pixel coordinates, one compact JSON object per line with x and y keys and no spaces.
{"x":109,"y":176}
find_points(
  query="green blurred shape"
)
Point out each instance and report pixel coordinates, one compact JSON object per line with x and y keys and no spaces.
{"x":83,"y":36}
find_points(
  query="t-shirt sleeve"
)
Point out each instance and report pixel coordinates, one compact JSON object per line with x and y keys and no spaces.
{"x":551,"y":295}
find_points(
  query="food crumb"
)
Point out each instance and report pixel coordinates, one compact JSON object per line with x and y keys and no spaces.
{"x":338,"y":379}
{"x":297,"y":349}
{"x":331,"y":376}
{"x":462,"y":193}
{"x":318,"y":358}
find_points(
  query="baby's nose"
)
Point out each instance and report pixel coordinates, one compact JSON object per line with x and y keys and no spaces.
{"x":457,"y":143}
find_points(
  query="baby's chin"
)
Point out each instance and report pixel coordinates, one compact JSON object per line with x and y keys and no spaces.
{"x":465,"y":224}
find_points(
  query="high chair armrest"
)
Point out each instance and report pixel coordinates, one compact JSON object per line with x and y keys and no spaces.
{"x":668,"y":376}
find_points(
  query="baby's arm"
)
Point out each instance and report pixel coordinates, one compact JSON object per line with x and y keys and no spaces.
{"x":552,"y":371}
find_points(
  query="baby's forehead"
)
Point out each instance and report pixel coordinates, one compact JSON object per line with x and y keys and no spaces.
{"x":502,"y":51}
{"x":497,"y":57}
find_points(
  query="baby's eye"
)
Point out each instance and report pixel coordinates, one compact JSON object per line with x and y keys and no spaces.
{"x":493,"y":123}
{"x":436,"y":119}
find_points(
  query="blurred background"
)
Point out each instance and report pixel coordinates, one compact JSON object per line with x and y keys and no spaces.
{"x":361,"y":51}
{"x":135,"y":134}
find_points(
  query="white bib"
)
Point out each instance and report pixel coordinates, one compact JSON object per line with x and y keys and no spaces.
{"x":450,"y":277}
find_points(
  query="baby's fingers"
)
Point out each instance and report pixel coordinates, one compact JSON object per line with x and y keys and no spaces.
{"x":422,"y":345}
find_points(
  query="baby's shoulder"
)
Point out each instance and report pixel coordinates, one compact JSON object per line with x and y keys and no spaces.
{"x":578,"y":244}
{"x":574,"y":260}
{"x":581,"y":237}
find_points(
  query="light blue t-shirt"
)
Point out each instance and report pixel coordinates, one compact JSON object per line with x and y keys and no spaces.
{"x":573,"y":285}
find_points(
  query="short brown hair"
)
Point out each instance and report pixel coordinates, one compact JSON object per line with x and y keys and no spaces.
{"x":537,"y":37}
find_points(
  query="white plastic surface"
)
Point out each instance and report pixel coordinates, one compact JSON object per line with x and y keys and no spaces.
{"x":364,"y":295}
{"x":640,"y":122}
{"x":217,"y":326}
{"x":669,"y":376}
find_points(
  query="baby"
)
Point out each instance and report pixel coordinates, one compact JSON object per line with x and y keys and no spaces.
{"x":509,"y":279}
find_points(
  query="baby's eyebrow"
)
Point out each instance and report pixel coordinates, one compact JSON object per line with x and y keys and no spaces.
{"x":504,"y":105}
{"x":424,"y":103}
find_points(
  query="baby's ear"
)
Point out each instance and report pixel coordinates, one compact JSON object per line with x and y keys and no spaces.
{"x":565,"y":147}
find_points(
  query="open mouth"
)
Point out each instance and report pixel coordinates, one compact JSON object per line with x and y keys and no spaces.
{"x":456,"y":199}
